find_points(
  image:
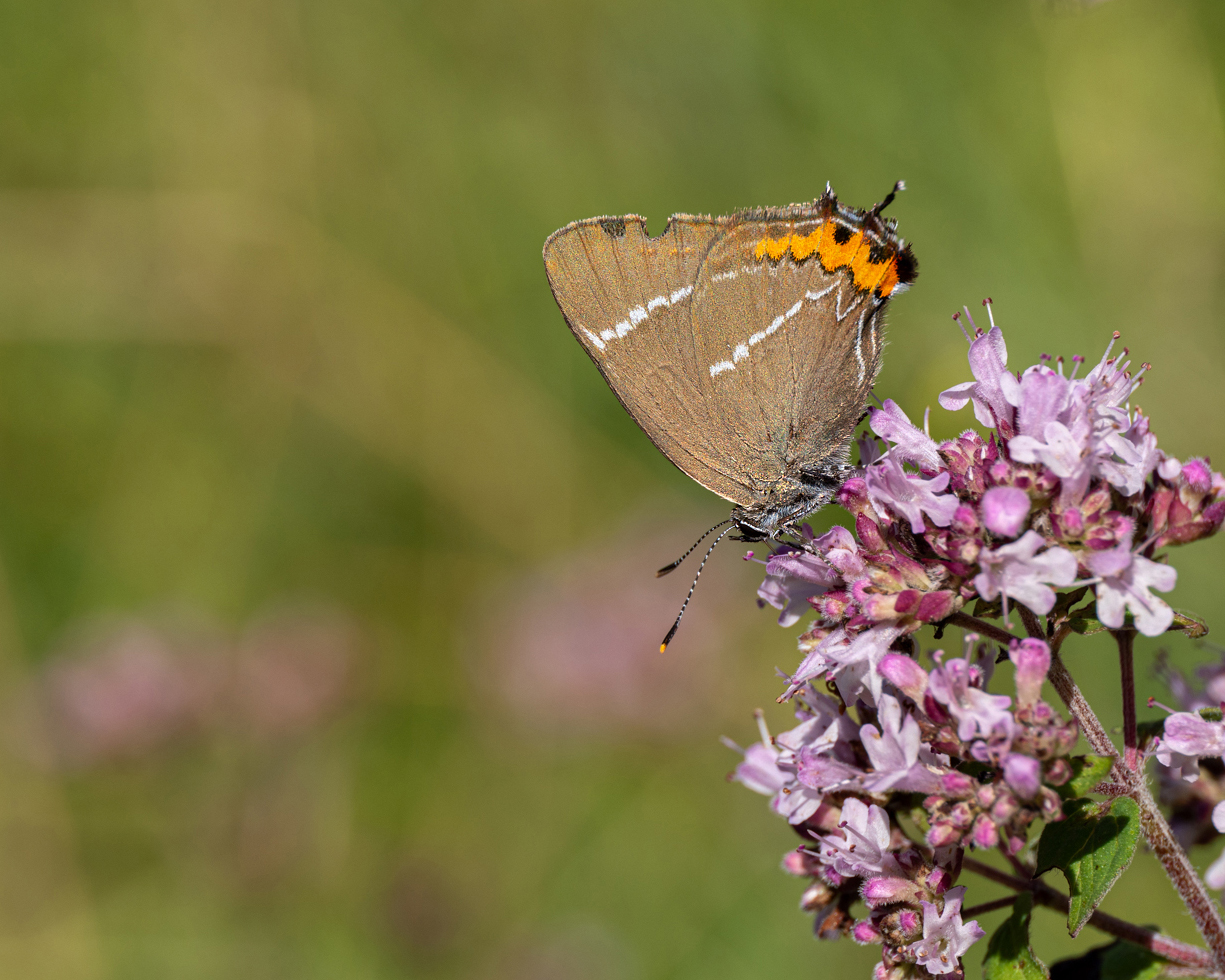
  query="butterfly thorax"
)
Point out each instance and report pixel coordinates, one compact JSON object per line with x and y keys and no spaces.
{"x":788,"y":502}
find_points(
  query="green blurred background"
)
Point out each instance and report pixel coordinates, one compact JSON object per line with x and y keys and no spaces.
{"x":327,"y":617}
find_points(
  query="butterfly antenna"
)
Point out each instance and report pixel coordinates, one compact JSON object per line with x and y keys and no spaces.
{"x":899,"y":186}
{"x":671,"y":568}
{"x":684,"y":605}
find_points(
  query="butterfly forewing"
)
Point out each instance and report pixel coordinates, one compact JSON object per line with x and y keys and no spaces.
{"x":628,"y":298}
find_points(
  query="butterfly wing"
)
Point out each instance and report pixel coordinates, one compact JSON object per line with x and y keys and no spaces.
{"x":628,"y":299}
{"x":788,"y":350}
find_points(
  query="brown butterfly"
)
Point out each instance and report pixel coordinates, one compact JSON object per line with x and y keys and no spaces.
{"x":744,"y":346}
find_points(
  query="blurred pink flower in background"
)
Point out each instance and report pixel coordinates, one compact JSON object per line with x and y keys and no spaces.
{"x":125,"y":688}
{"x":577,"y":647}
{"x":291,"y":669}
{"x":120,"y":689}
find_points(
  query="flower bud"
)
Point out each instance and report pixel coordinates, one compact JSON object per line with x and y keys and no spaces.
{"x":985,"y":835}
{"x":865,"y":933}
{"x":957,"y":784}
{"x":904,"y":674}
{"x":869,"y":532}
{"x":1032,"y":658}
{"x":1005,"y":510}
{"x":888,"y":891}
{"x":1023,"y":773}
{"x":935,"y":606}
{"x":816,"y":896}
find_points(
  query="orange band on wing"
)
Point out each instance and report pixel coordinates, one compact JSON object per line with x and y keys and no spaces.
{"x":855,"y":251}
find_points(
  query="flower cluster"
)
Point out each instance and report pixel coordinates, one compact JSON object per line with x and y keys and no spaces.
{"x":972,"y":768}
{"x":1068,"y":491}
{"x":1069,"y":488}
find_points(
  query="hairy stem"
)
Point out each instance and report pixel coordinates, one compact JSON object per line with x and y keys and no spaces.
{"x":1174,"y":950}
{"x":985,"y":907}
{"x":1173,"y":858}
{"x":1126,"y":640}
{"x":1032,"y":624}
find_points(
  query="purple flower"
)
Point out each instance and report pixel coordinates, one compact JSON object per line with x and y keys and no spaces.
{"x":1189,"y":734}
{"x":759,"y":771}
{"x":853,"y":660}
{"x":945,"y":937}
{"x":792,"y":578}
{"x":1124,"y":580}
{"x":1127,"y":458}
{"x":894,"y":751}
{"x":978,"y":713}
{"x":994,"y":389}
{"x":910,"y":495}
{"x":864,"y":850}
{"x":1043,"y":399}
{"x":911,"y":444}
{"x":1063,"y":451}
{"x":771,"y":772}
{"x":1004,"y":510}
{"x":1016,"y":570}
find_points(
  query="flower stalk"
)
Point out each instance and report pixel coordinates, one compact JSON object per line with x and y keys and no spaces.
{"x":1167,"y":947}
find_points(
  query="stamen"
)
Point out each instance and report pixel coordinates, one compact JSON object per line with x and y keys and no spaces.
{"x":990,"y":315}
{"x":973,"y":325}
{"x":766,"y":738}
{"x":957,"y":320}
{"x":1077,"y":361}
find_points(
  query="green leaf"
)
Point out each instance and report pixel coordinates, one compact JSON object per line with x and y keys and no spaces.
{"x":1092,"y":846}
{"x":1009,"y":955}
{"x":1118,"y":961}
{"x":1188,"y":623}
{"x":1064,"y":601}
{"x":1087,"y":772}
{"x":1127,"y":961}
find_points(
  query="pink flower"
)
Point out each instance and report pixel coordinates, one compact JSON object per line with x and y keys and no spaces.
{"x":759,"y":771}
{"x":1016,"y":570}
{"x":994,"y":389}
{"x":1124,"y":581}
{"x":1060,"y":449}
{"x":853,"y":660}
{"x":1043,"y":399}
{"x":895,"y":750}
{"x":792,"y":578}
{"x":1189,"y":734}
{"x":978,"y":713}
{"x":1023,"y":774}
{"x":1004,"y":510}
{"x":909,"y":495}
{"x":911,"y":444}
{"x":945,"y":937}
{"x":863,"y":851}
